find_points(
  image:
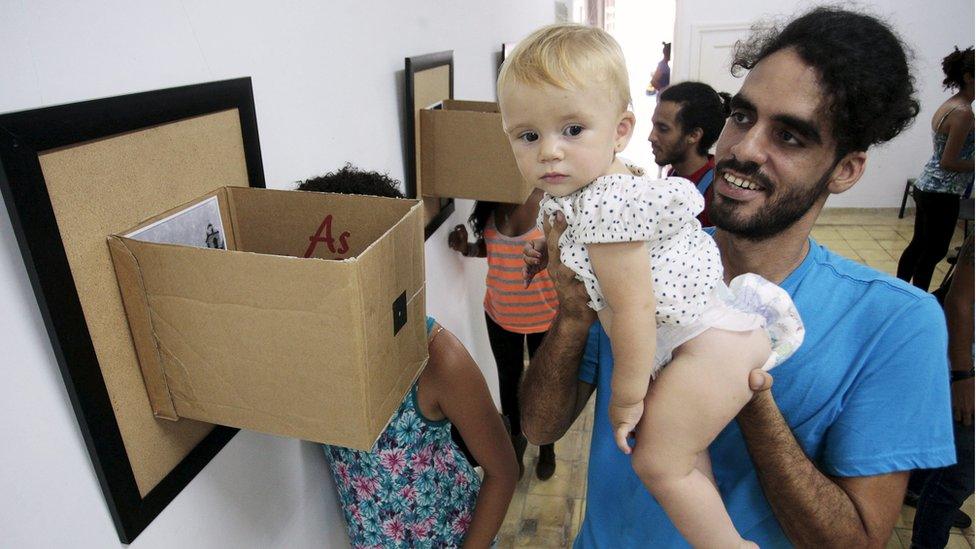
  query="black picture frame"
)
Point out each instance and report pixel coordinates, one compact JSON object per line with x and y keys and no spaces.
{"x":413,"y":65}
{"x":23,"y":136}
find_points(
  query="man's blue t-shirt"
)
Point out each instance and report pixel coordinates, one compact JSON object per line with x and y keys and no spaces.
{"x":867,"y":393}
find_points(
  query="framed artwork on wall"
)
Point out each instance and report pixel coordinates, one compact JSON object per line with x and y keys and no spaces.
{"x":428,"y":79}
{"x":71,"y":175}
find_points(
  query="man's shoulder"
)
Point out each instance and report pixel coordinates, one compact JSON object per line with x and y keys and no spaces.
{"x":839,"y":278}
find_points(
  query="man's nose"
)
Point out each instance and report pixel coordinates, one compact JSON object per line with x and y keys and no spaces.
{"x":752,"y":146}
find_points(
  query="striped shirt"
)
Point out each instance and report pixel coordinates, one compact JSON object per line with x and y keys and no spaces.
{"x":507,"y":301}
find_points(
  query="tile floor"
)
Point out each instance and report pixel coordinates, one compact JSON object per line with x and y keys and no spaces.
{"x":548,"y":514}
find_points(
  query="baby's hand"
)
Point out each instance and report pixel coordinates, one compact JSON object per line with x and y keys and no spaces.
{"x":624,"y":418}
{"x":536,"y":257}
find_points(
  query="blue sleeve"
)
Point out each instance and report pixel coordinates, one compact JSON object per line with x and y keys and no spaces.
{"x":897,"y":415}
{"x":591,"y":355}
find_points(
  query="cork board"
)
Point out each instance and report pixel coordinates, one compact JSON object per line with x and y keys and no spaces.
{"x":71,"y":176}
{"x":428,"y":80}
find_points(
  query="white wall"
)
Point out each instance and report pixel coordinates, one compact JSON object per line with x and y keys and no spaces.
{"x":640,"y":27}
{"x":930,"y":28}
{"x":327,"y":92}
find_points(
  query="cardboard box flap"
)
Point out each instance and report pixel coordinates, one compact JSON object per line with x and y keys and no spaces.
{"x":135,"y":302}
{"x":132,"y":288}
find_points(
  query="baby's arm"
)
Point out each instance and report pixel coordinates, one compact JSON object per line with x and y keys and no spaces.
{"x":462,"y":396}
{"x":624,"y":272}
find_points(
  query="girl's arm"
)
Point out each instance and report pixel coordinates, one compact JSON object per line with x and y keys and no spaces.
{"x":960,"y":124}
{"x":624,"y":272}
{"x":462,"y":396}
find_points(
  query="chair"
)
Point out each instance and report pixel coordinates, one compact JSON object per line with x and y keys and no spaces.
{"x":904,"y":198}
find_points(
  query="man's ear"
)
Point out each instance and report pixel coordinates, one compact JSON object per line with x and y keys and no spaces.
{"x":847,"y":172}
{"x":625,"y":130}
{"x":694,"y":136}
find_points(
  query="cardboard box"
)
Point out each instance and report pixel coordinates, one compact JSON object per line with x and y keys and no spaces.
{"x":309,"y":324}
{"x":464,"y":153}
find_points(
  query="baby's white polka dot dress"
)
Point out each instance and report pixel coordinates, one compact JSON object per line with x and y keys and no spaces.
{"x":688,"y":287}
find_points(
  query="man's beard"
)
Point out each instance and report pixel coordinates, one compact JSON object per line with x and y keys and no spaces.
{"x":670,"y":157}
{"x":775,"y":216}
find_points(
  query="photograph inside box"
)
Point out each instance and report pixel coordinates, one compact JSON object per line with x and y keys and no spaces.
{"x":292,"y":313}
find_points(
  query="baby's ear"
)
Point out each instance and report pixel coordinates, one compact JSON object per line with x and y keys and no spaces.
{"x":625,"y":130}
{"x":625,"y":126}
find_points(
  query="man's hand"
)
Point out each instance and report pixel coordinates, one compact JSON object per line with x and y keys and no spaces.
{"x":962,"y":401}
{"x":570,"y":290}
{"x":759,"y":381}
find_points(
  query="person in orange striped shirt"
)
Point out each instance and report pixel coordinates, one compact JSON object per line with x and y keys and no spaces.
{"x":517,"y":315}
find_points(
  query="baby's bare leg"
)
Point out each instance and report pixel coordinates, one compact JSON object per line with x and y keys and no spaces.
{"x":691,"y":401}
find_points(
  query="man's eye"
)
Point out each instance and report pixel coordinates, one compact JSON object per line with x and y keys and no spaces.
{"x":739,"y":117}
{"x":573,"y":130}
{"x":789,"y":138}
{"x":529,"y":137}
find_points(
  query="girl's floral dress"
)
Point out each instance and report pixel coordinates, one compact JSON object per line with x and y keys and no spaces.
{"x":414,"y":489}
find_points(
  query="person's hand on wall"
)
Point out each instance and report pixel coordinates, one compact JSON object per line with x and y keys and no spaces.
{"x":962,"y":401}
{"x":457,"y":240}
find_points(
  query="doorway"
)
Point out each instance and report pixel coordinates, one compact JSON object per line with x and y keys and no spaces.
{"x":641,"y":28}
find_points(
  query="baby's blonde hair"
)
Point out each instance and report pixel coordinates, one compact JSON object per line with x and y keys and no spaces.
{"x":568,"y":56}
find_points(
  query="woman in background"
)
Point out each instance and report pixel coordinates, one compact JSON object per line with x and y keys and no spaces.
{"x":946,"y":176}
{"x":517,"y":315}
{"x":414,"y":488}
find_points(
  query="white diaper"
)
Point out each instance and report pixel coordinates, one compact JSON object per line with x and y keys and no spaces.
{"x":748,"y":302}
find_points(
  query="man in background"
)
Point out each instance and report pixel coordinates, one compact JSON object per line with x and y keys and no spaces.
{"x":686,"y":122}
{"x":938,"y":493}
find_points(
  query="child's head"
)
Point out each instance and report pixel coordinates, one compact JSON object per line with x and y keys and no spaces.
{"x":563,"y":95}
{"x":351,"y":180}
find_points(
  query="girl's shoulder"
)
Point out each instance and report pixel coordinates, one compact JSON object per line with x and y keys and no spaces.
{"x":953,"y":112}
{"x":449,"y":369}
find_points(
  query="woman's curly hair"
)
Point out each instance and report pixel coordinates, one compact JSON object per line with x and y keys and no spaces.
{"x":955,"y":65}
{"x":352,"y":180}
{"x":863,"y":70}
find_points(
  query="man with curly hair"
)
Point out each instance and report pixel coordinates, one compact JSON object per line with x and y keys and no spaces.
{"x":821,"y":459}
